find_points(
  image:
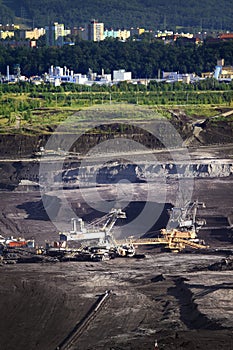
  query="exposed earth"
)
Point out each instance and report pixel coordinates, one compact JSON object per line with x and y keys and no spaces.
{"x":158,"y":298}
{"x":182,"y":301}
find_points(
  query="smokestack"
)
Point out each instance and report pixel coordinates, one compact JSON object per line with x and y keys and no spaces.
{"x":8,"y":73}
{"x":74,"y":224}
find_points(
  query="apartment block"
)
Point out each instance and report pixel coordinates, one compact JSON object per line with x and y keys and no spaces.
{"x":122,"y":35}
{"x":9,"y":27}
{"x":94,"y":31}
{"x":137,"y":31}
{"x":32,"y":34}
{"x":55,"y":34}
{"x":6,"y":34}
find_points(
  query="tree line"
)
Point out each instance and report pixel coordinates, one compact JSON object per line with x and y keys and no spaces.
{"x":144,"y":59}
{"x":25,"y":98}
{"x":150,"y":14}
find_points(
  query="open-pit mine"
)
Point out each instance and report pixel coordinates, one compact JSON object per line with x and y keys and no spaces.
{"x":107,"y":245}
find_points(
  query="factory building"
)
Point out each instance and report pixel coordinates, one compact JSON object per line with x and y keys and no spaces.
{"x":221,"y":72}
{"x":121,"y":75}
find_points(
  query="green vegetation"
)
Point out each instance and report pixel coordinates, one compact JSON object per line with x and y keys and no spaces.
{"x":7,"y":14}
{"x":40,"y":108}
{"x":151,"y":14}
{"x":143,"y":59}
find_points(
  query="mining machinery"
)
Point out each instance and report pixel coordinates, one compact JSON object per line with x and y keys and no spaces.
{"x":99,"y":230}
{"x":181,"y":231}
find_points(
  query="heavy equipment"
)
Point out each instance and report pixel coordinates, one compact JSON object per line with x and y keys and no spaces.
{"x":99,"y":231}
{"x":181,"y":231}
{"x":19,"y":242}
{"x":183,"y":227}
{"x":183,"y":220}
{"x":98,"y":242}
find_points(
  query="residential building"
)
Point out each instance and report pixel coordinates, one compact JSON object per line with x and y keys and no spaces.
{"x":122,"y":35}
{"x":18,"y":43}
{"x":226,"y":36}
{"x":164,"y":34}
{"x":110,"y":33}
{"x":186,"y":40}
{"x":137,"y":31}
{"x":32,"y":34}
{"x":94,"y":31}
{"x":55,"y":34}
{"x":9,"y":27}
{"x":4,"y":34}
{"x":183,"y":35}
{"x":78,"y":32}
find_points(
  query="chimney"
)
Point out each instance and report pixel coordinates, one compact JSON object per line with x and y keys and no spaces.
{"x":8,"y":73}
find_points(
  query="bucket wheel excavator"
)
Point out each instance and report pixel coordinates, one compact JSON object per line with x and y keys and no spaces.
{"x":181,"y":231}
{"x":99,"y":230}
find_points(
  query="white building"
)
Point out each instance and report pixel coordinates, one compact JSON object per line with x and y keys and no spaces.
{"x":80,"y":79}
{"x":66,"y":75}
{"x":171,"y":77}
{"x":58,"y":75}
{"x":121,"y":75}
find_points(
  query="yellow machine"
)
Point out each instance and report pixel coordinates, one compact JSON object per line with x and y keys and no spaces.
{"x":181,"y":231}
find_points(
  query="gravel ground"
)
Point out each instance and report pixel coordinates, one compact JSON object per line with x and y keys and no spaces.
{"x":158,"y":298}
{"x":171,"y":298}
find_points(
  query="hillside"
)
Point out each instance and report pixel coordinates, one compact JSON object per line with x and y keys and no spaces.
{"x":6,"y":12}
{"x":153,"y":14}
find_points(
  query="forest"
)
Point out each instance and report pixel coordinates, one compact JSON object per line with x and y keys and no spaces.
{"x":143,"y":59}
{"x":150,"y":14}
